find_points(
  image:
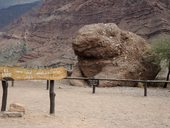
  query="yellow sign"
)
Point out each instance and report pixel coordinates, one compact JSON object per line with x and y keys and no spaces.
{"x":32,"y":74}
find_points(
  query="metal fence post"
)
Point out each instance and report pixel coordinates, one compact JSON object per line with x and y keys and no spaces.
{"x":93,"y":82}
{"x":145,"y":88}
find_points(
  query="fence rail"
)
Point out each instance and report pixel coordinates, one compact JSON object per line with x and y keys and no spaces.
{"x":95,"y":82}
{"x":92,"y":80}
{"x":122,"y":80}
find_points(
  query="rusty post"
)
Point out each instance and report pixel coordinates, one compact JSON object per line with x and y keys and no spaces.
{"x":12,"y":83}
{"x":145,"y":88}
{"x":48,"y":82}
{"x":94,"y":89}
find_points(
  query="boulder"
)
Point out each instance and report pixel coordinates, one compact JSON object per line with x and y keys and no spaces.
{"x":15,"y":107}
{"x":77,"y":73}
{"x":106,"y":51}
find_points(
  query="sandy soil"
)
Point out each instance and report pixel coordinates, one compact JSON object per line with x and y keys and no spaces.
{"x":77,"y":107}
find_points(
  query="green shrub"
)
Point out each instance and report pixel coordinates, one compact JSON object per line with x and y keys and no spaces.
{"x":161,"y":47}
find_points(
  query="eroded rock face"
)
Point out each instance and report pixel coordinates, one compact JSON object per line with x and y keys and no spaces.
{"x":77,"y":73}
{"x":105,"y":51}
{"x":49,"y":29}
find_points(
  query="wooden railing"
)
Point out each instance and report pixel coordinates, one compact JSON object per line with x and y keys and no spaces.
{"x":94,"y":82}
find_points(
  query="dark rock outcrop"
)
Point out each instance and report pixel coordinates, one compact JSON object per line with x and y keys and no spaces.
{"x":105,"y":51}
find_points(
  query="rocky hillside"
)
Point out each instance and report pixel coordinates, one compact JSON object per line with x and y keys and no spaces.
{"x":10,"y":14}
{"x":9,"y":3}
{"x":49,"y":30}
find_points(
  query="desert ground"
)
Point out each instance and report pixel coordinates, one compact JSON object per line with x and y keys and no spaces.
{"x":77,"y":107}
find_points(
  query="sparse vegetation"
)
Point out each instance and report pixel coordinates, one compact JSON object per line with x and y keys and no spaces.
{"x":161,"y":47}
{"x":11,"y":54}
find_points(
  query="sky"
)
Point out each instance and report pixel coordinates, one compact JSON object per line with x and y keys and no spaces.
{"x":7,"y":3}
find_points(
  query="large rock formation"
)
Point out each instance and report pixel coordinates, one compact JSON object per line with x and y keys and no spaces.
{"x":105,"y":51}
{"x":49,"y":30}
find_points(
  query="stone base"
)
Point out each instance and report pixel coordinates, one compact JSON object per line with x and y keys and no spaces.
{"x":11,"y":114}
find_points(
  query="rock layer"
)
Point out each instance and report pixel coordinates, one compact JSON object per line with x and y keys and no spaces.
{"x":49,"y":30}
{"x":105,"y":51}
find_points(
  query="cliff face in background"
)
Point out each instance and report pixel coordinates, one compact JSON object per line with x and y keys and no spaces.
{"x":10,"y":14}
{"x":9,"y":3}
{"x":48,"y":31}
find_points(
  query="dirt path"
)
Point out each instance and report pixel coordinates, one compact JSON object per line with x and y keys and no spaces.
{"x":119,"y":107}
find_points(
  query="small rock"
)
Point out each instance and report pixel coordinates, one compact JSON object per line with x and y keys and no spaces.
{"x":141,"y":85}
{"x":15,"y":107}
{"x":60,"y":88}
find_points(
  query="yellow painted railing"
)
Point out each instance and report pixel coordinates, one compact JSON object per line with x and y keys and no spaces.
{"x":17,"y":73}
